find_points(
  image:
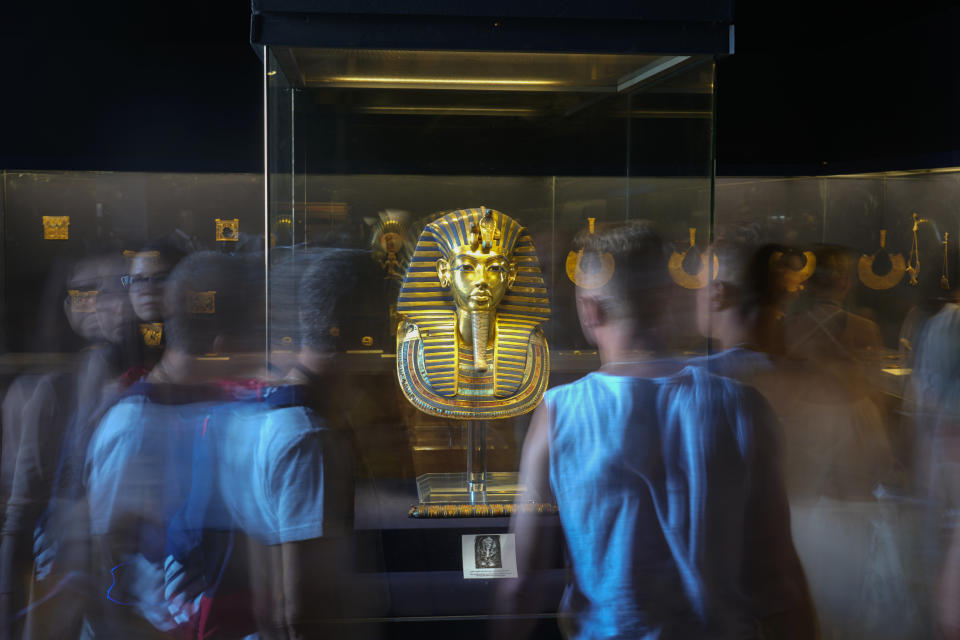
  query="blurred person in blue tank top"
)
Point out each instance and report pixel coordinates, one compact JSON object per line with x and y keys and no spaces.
{"x":851,"y":545}
{"x":667,"y":478}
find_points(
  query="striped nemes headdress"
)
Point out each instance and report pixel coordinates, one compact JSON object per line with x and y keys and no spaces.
{"x":429,"y":305}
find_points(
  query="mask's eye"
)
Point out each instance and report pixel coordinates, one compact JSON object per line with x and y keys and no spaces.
{"x":494,"y":268}
{"x":466,"y":267}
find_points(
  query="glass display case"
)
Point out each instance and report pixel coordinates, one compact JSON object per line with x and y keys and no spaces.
{"x":368,"y":147}
{"x":360,"y":141}
{"x":406,"y":141}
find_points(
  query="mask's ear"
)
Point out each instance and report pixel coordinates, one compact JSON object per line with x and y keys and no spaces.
{"x":443,"y":272}
{"x":511,"y":274}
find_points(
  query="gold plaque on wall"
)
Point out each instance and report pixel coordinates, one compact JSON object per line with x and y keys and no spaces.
{"x":228,"y":230}
{"x":56,"y":227}
{"x":202,"y":302}
{"x":83,"y":301}
{"x":152,"y":333}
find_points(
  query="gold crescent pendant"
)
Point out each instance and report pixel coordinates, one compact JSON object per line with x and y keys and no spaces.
{"x":680,"y":275}
{"x":793,"y":279}
{"x":594,"y":279}
{"x":887,"y":281}
{"x":891,"y":278}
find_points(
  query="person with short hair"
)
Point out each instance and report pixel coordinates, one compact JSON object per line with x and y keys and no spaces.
{"x":667,"y":479}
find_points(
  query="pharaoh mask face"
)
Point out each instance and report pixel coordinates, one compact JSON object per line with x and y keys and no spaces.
{"x":478,"y":281}
{"x":479,"y":276}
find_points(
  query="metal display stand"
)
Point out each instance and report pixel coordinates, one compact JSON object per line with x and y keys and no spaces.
{"x":476,"y":485}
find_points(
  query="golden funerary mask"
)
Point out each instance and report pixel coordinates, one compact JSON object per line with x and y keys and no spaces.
{"x":469,"y":343}
{"x":390,"y":244}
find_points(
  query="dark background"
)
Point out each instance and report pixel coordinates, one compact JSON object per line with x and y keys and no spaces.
{"x":816,"y":87}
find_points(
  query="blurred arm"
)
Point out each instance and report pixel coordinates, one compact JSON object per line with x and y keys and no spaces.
{"x":773,"y":575}
{"x":315,"y":478}
{"x":534,"y":535}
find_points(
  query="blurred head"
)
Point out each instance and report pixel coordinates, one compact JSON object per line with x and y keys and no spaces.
{"x":214,"y":303}
{"x":632,"y":301}
{"x":79,"y":305}
{"x":113,"y":306}
{"x":745,"y":282}
{"x":330,"y":291}
{"x":149,"y":270}
{"x":834,"y":275}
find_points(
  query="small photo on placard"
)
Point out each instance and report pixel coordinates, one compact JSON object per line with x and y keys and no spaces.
{"x":489,"y":555}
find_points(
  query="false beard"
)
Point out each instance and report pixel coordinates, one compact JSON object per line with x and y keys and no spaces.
{"x":480,"y":327}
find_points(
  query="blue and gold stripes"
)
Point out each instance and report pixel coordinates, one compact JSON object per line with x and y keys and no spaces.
{"x":469,"y":404}
{"x":436,"y":380}
{"x":438,"y":360}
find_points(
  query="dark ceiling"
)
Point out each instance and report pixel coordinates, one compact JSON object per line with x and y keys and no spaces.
{"x":818,"y":87}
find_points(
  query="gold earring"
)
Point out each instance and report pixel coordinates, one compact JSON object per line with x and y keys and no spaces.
{"x":595,"y":278}
{"x":890,"y":279}
{"x":793,"y":279}
{"x":913,"y":261}
{"x":680,"y":275}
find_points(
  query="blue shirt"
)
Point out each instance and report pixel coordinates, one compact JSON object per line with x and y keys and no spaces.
{"x":284,"y":475}
{"x":671,"y":504}
{"x":165,"y":477}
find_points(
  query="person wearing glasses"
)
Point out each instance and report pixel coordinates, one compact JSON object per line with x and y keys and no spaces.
{"x":149,"y":269}
{"x":49,"y":425}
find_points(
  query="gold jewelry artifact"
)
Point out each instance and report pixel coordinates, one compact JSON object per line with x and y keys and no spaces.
{"x":890,"y":279}
{"x":391,"y":244}
{"x":945,"y":276}
{"x":681,"y":276}
{"x":592,"y":278}
{"x":469,"y":344}
{"x":913,"y":261}
{"x":202,"y":302}
{"x":56,"y":227}
{"x":228,"y":230}
{"x":792,"y":279}
{"x":83,"y":301}
{"x":152,"y":333}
